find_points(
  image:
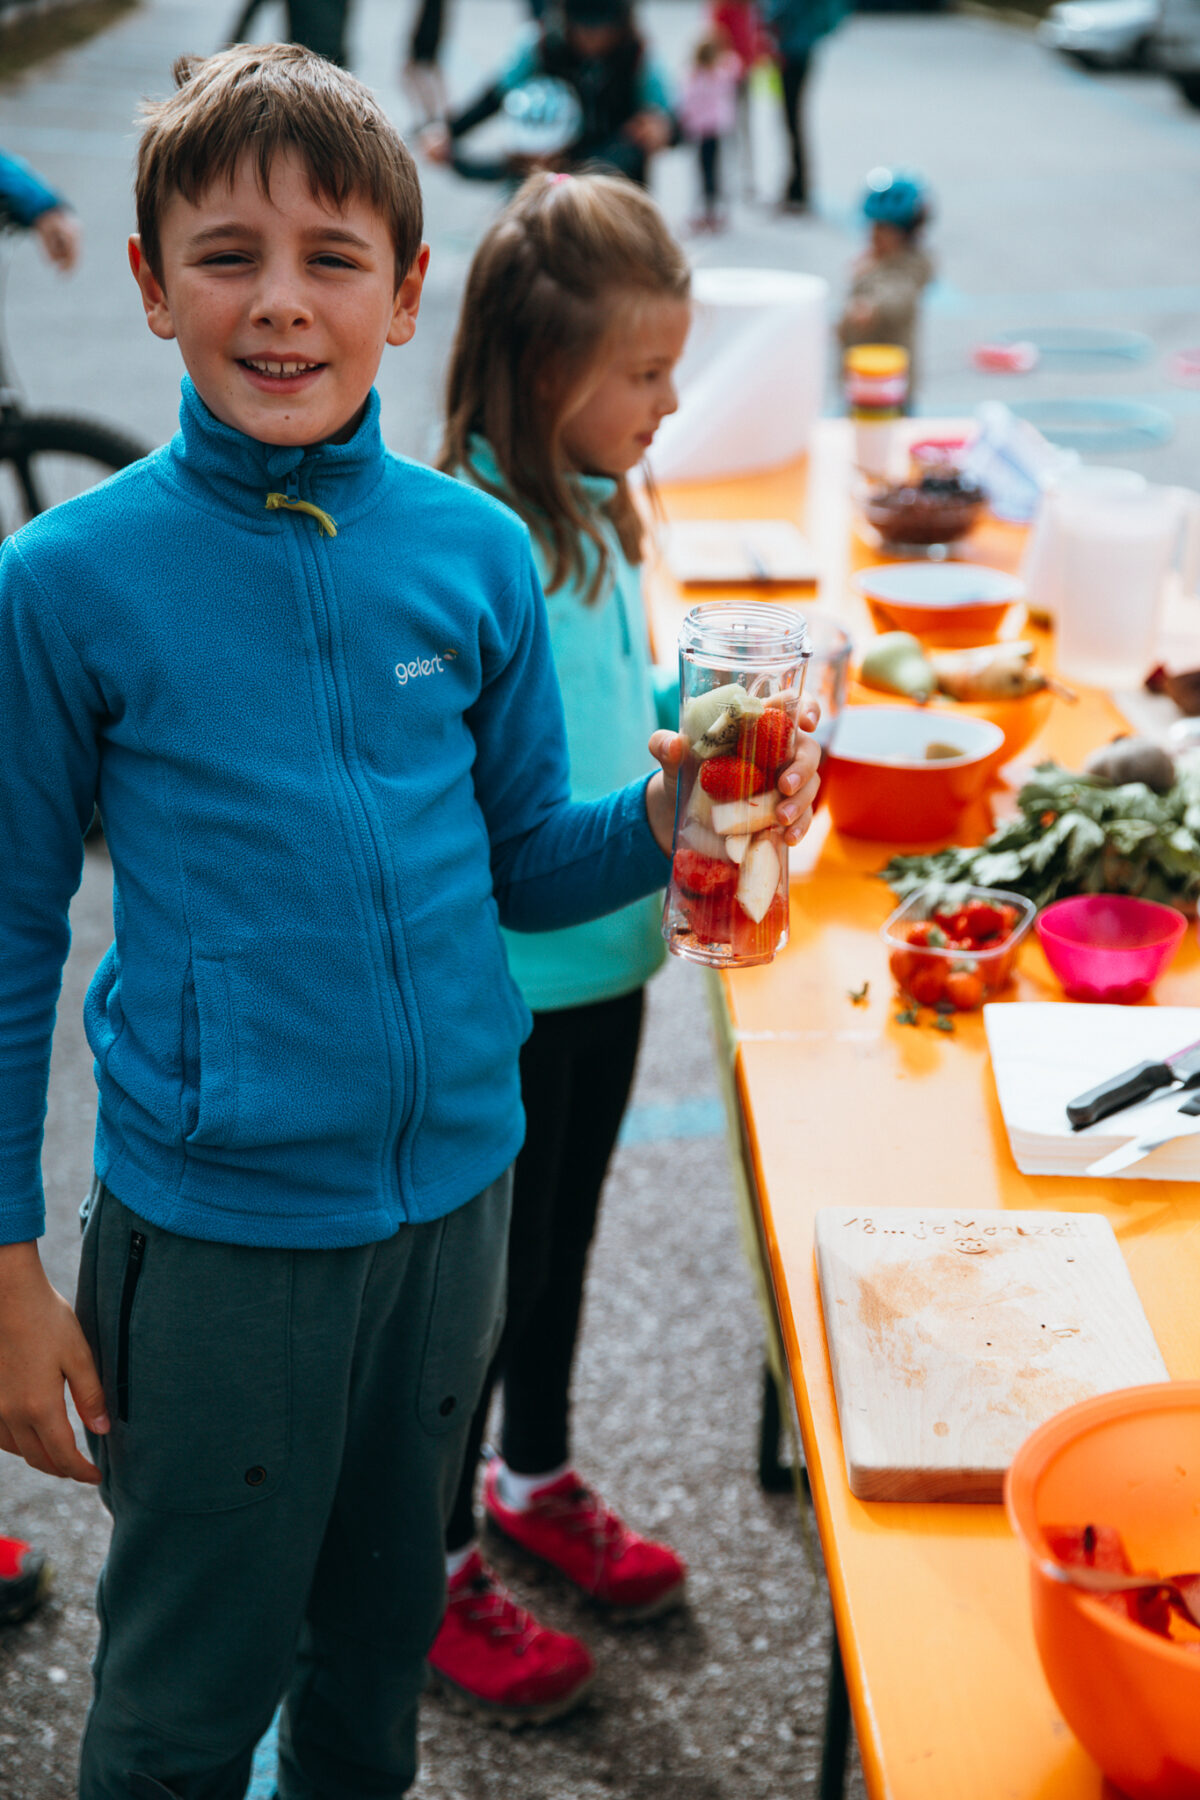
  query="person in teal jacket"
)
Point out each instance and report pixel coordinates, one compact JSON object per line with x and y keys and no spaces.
{"x":575,"y":312}
{"x":595,"y":49}
{"x":310,"y":687}
{"x":796,"y":27}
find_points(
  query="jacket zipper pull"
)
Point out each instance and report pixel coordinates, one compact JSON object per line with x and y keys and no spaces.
{"x":326,"y":525}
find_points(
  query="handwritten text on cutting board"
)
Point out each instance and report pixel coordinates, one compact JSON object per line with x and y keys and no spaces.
{"x":952,"y":1335}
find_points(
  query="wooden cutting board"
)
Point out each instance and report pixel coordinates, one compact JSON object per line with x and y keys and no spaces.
{"x":953,"y":1334}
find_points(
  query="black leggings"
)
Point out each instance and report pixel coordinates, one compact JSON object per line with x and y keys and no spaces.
{"x":576,"y":1073}
{"x":793,"y":71}
{"x":710,"y":171}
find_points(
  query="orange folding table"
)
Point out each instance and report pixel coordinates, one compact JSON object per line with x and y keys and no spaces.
{"x":835,"y":1103}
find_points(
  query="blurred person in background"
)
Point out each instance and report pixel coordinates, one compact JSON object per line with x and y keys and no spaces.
{"x":708,"y":110}
{"x":27,"y":201}
{"x":741,"y":23}
{"x":889,"y":277}
{"x":319,"y":24}
{"x":796,"y":27}
{"x":595,"y":48}
{"x":422,"y":74}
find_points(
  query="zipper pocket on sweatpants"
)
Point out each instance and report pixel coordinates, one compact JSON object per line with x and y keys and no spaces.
{"x":133,"y":1270}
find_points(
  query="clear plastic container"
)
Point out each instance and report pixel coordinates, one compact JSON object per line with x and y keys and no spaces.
{"x":741,"y":675}
{"x":939,"y":952}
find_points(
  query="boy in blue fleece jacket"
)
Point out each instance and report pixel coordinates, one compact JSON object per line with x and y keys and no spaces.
{"x":310,"y":688}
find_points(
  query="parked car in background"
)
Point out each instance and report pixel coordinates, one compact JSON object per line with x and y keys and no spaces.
{"x":1101,"y":34}
{"x":1174,"y":46}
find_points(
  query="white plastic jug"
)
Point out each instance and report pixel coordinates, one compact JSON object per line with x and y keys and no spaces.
{"x":1040,"y":566}
{"x":1106,"y":543}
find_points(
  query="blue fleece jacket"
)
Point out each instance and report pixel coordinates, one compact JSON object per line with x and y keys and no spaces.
{"x":601,"y":654}
{"x":328,"y":767}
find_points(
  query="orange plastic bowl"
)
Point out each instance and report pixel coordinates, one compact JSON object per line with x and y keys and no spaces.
{"x":880,"y":783}
{"x":1020,"y":720}
{"x":947,"y":605}
{"x":1131,"y":1460}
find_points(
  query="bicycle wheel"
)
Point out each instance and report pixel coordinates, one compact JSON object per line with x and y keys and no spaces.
{"x":48,"y":457}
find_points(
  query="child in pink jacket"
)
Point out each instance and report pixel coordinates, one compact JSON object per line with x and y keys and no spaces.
{"x":708,"y":113}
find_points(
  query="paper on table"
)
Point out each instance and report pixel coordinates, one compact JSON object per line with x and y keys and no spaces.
{"x":1044,"y":1054}
{"x":737,"y":550}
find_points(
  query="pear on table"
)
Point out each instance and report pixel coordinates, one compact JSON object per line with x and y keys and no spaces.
{"x":896,"y":664}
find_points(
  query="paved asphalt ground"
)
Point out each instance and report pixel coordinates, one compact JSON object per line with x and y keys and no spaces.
{"x":1063,"y":199}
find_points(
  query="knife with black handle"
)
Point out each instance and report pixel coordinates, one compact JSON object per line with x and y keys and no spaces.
{"x":1135,"y":1084}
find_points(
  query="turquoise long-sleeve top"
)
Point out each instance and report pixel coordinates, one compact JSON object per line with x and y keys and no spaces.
{"x":329,"y":767}
{"x":613,"y":698}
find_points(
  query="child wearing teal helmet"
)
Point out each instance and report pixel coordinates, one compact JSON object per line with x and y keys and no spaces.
{"x":888,"y":279}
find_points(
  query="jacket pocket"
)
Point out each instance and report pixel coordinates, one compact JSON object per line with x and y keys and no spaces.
{"x":212,"y":1100}
{"x":285,"y":1044}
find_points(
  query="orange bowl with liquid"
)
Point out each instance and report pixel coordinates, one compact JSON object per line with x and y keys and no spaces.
{"x":1130,"y":1460}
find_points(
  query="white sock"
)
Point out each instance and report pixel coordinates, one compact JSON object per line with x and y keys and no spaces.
{"x":457,"y":1559}
{"x":518,"y":1491}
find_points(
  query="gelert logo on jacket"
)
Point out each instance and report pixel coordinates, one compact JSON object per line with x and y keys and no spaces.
{"x":421,"y":665}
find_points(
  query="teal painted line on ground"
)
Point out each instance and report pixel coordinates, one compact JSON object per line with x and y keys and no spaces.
{"x":943,"y":297}
{"x":1181,"y":402}
{"x":686,"y":1119}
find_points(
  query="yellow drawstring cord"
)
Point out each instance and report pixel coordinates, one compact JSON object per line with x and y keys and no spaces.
{"x":324,"y":522}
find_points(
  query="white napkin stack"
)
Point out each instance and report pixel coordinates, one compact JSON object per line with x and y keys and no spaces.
{"x":1046,"y":1054}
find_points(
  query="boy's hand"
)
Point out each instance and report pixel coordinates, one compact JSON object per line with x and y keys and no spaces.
{"x":798,"y":783}
{"x":41,"y":1346}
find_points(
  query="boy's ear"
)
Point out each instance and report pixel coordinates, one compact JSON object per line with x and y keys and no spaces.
{"x":154,"y":294}
{"x":407,"y":303}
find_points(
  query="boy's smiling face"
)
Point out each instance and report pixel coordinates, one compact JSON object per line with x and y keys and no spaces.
{"x":281,"y":302}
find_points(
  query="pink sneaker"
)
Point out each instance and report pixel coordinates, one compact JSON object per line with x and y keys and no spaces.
{"x":495,"y":1659}
{"x":569,"y":1526}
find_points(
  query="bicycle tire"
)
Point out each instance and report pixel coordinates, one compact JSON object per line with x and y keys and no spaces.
{"x":87,"y":452}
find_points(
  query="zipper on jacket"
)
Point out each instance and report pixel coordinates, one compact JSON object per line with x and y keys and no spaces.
{"x":373,"y":860}
{"x":133,"y":1271}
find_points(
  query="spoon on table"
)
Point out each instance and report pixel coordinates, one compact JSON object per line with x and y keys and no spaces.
{"x":1183,"y":1591}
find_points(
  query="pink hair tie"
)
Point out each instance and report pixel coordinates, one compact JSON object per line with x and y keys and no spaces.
{"x":562,"y":175}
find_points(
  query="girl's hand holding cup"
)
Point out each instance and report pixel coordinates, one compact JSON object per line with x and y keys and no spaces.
{"x":798,"y":782}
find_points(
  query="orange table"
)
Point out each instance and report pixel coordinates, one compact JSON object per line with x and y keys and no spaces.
{"x":840,"y":1105}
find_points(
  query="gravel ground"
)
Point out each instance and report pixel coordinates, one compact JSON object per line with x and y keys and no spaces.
{"x":1060,"y":199}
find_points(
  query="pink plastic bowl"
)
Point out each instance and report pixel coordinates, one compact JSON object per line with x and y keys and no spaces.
{"x":1109,"y":947}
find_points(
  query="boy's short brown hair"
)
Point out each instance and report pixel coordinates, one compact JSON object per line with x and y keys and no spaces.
{"x":264,"y":100}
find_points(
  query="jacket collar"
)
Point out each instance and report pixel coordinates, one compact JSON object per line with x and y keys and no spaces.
{"x":240,"y":471}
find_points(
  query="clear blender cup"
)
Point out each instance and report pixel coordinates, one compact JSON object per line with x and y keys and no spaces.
{"x":741,"y":675}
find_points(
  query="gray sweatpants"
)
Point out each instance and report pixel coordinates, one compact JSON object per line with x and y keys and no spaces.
{"x":287,"y":1428}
